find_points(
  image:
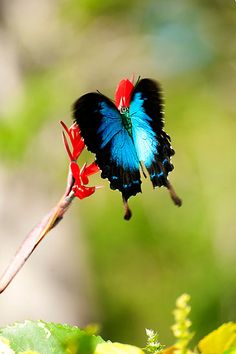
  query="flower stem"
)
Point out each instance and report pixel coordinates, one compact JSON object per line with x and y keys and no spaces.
{"x":49,"y":221}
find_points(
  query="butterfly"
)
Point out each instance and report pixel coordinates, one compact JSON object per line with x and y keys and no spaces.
{"x":127,"y":136}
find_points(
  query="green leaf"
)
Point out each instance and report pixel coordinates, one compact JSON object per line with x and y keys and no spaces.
{"x":40,"y":337}
{"x":230,"y":351}
{"x":220,"y":341}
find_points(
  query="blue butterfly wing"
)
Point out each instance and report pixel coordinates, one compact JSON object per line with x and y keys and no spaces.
{"x":151,"y":142}
{"x":144,"y":136}
{"x":104,"y":134}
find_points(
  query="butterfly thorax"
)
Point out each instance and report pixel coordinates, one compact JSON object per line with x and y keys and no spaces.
{"x":126,"y":121}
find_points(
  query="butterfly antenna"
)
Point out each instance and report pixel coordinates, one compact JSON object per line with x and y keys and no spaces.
{"x":128,"y":212}
{"x":173,"y":194}
{"x":138,"y":79}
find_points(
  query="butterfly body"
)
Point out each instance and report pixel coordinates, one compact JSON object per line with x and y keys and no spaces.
{"x":126,"y":120}
{"x":126,"y":135}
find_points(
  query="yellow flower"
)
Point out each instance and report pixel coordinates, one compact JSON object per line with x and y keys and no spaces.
{"x":117,"y":348}
{"x":220,"y":340}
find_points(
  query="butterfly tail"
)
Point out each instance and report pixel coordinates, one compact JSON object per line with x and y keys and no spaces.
{"x":128,"y":212}
{"x":173,"y":194}
{"x":129,"y":183}
{"x":159,"y":177}
{"x":161,"y":166}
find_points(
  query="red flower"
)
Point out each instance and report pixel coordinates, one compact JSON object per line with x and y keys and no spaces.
{"x":76,"y":141}
{"x":123,"y":93}
{"x":80,"y":176}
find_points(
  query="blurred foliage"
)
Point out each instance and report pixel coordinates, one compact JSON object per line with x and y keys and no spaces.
{"x":139,"y":267}
{"x":182,"y":324}
{"x":45,"y":338}
{"x":153,"y":345}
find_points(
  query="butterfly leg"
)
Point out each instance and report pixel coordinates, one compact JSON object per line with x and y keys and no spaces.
{"x":173,"y":194}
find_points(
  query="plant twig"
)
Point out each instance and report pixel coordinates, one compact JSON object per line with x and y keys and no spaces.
{"x":49,"y":221}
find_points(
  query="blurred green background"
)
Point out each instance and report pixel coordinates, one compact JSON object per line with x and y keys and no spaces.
{"x":123,"y":275}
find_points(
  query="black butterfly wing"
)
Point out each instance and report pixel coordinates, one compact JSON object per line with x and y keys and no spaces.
{"x":104,"y":134}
